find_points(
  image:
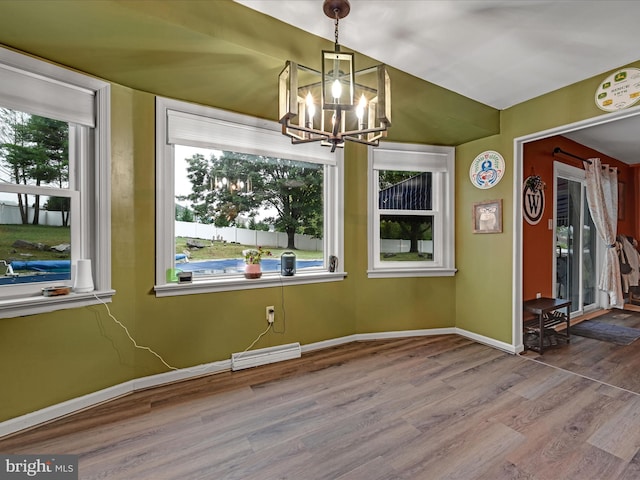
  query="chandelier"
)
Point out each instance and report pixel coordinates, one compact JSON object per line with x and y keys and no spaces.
{"x":232,"y":185}
{"x":354,"y":105}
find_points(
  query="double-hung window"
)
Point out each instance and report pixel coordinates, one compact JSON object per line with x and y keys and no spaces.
{"x":411,"y":196}
{"x":54,"y":185}
{"x":229,"y":185}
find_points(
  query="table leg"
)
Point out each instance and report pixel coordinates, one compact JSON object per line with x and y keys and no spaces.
{"x":541,"y":334}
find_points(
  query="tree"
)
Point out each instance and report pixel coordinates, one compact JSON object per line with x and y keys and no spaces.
{"x":183,"y":214}
{"x":254,"y":225}
{"x":197,"y":173}
{"x":296,"y":194}
{"x":49,"y":163}
{"x":16,"y":153}
{"x":406,"y":191}
{"x":235,"y":184}
{"x":59,"y":204}
{"x":36,"y":150}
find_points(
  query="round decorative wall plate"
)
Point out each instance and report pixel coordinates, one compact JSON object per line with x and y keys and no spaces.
{"x":487,"y":169}
{"x":532,"y":203}
{"x":619,"y":90}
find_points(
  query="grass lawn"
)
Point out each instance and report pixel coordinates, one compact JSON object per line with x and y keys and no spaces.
{"x":45,"y":235}
{"x":214,"y":250}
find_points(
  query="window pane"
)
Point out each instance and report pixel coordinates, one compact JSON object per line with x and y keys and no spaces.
{"x":34,"y":150}
{"x":401,"y":190}
{"x":37,"y":251}
{"x":35,"y":236}
{"x":228,"y":202}
{"x":406,"y":238}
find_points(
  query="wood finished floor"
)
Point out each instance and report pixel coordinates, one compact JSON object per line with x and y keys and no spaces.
{"x":439,"y":407}
{"x":617,"y":365}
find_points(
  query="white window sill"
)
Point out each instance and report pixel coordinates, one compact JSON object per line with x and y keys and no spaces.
{"x":241,"y":283}
{"x":21,"y":306}
{"x":395,"y":272}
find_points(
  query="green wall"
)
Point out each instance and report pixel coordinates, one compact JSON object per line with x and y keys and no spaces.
{"x":484,"y":261}
{"x":484,"y":282}
{"x":218,"y":61}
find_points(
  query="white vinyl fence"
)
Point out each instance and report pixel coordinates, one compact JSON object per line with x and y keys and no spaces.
{"x":403,"y":246}
{"x":245,"y":236}
{"x":10,"y":215}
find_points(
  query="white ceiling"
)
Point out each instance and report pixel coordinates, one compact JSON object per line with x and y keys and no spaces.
{"x":498,"y":52}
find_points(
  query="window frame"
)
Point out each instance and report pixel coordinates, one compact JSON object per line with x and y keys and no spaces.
{"x":80,"y":100}
{"x":188,"y":124}
{"x":439,"y":160}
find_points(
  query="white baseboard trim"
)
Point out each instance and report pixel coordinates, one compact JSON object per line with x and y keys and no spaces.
{"x":506,"y":347}
{"x":406,"y":333}
{"x":77,"y":404}
{"x":74,"y":405}
{"x":60,"y":410}
{"x":182,"y":374}
{"x":333,"y":342}
{"x":358,"y":337}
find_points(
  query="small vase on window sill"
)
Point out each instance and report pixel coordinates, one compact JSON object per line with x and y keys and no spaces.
{"x":252,"y":270}
{"x":252,"y":258}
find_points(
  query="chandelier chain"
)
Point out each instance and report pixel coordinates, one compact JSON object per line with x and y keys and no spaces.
{"x":336,"y":11}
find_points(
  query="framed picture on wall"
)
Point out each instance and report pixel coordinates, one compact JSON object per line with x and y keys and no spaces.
{"x":621,"y":192}
{"x":487,"y":217}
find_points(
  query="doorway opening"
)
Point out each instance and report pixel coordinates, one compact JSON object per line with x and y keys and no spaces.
{"x":584,"y":297}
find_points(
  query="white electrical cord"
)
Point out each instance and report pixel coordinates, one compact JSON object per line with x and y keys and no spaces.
{"x":284,"y":311}
{"x":142,"y":347}
{"x":259,"y":337}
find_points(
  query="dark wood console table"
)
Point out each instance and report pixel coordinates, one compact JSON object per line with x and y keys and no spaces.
{"x":549,"y":315}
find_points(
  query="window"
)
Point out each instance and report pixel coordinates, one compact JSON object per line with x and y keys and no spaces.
{"x":228,"y":183}
{"x":411,"y":227}
{"x":54,"y":184}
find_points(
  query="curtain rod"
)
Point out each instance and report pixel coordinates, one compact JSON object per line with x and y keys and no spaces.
{"x":559,"y":150}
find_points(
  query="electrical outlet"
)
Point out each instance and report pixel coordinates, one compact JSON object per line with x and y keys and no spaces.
{"x":271,"y":313}
{"x":538,"y":295}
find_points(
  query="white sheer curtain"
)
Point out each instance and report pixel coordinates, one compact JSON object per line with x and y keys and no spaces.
{"x":602,"y":196}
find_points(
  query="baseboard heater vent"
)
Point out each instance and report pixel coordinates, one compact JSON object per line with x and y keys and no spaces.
{"x":263,"y":356}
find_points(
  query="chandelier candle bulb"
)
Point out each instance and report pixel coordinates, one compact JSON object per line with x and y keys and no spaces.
{"x":311,"y":109}
{"x":336,"y":91}
{"x":362,"y":104}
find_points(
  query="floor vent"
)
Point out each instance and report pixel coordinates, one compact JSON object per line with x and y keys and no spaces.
{"x":263,"y":356}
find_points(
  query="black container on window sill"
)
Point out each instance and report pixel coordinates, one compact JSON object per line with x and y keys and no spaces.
{"x":288,"y":264}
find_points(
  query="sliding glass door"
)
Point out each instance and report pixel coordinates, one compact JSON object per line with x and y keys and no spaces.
{"x":576,"y":265}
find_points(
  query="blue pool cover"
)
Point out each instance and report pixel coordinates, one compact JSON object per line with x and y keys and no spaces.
{"x":48,"y":270}
{"x":237,"y":265}
{"x":38,"y":271}
{"x":61,"y":266}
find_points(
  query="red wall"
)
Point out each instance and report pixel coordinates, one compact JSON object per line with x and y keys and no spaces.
{"x":538,"y":242}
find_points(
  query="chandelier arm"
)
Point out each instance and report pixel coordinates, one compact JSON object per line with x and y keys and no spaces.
{"x":323,"y":133}
{"x":297,"y":141}
{"x":373,"y":143}
{"x":368,"y":130}
{"x":298,"y":128}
